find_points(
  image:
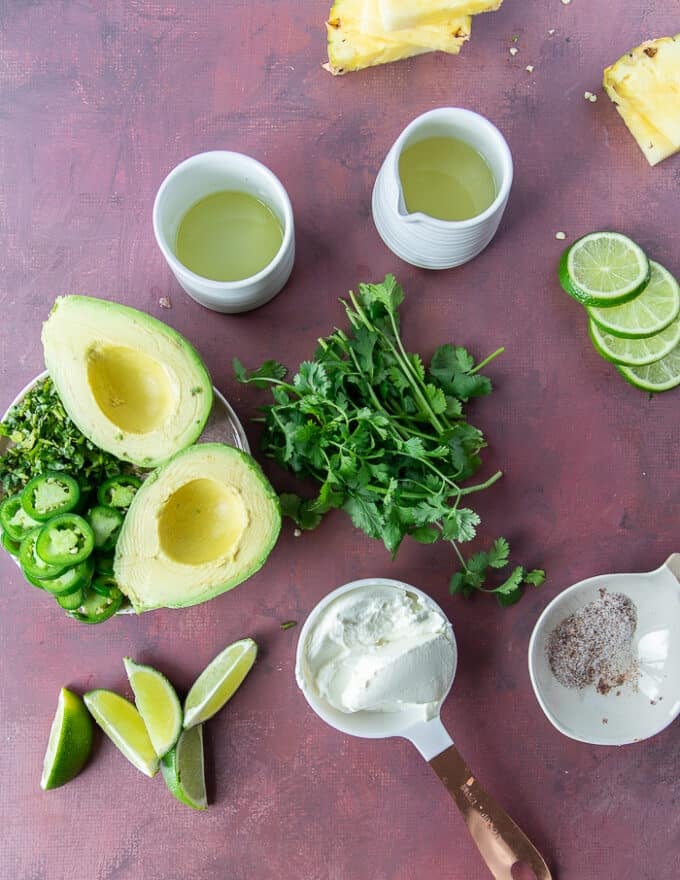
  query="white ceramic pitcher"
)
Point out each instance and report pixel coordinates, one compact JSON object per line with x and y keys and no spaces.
{"x":426,"y":241}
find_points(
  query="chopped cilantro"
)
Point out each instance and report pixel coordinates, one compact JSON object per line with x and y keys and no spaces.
{"x":45,"y":439}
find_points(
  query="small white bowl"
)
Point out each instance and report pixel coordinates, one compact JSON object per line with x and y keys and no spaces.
{"x":200,"y":176}
{"x":635,"y":713}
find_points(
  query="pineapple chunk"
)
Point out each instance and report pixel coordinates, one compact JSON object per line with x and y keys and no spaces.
{"x":396,"y":15}
{"x":352,"y":48}
{"x":645,"y":87}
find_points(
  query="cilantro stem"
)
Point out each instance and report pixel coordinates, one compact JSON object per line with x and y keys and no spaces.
{"x":401,"y":359}
{"x":486,"y":360}
{"x":468,"y":490}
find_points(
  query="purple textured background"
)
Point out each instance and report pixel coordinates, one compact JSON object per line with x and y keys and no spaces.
{"x":98,"y":101}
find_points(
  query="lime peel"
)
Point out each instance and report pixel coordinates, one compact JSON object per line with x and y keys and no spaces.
{"x":183,"y":769}
{"x":70,"y":741}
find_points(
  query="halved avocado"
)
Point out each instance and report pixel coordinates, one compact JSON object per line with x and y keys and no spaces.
{"x":132,"y":385}
{"x":199,"y":525}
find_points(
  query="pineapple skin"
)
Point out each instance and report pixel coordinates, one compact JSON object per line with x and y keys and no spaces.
{"x":644,"y":86}
{"x":350,"y":49}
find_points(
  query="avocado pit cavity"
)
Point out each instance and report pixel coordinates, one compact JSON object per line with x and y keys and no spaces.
{"x":132,"y":389}
{"x":201,"y":522}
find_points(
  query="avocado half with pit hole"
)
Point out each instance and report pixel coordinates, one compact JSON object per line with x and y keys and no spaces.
{"x":198,"y":526}
{"x":133,"y":386}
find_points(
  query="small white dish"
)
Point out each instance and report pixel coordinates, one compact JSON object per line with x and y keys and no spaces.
{"x":636,"y":712}
{"x":194,"y":179}
{"x":426,"y":241}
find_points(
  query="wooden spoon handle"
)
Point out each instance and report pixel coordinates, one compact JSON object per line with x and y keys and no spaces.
{"x":500,"y":842}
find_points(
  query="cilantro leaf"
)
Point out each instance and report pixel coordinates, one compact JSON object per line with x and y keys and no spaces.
{"x":262,"y":375}
{"x":499,"y":553}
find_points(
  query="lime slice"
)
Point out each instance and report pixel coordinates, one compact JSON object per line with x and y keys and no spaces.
{"x":603,"y":269}
{"x":218,"y":682}
{"x":70,"y":742}
{"x":650,"y":312}
{"x":157,"y":703}
{"x":662,"y":375}
{"x":183,"y":769}
{"x":123,"y":724}
{"x":635,"y":352}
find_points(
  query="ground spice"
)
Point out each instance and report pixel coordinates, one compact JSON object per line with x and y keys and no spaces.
{"x":593,"y":646}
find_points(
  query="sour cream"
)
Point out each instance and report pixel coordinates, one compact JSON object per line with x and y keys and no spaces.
{"x":379,"y":649}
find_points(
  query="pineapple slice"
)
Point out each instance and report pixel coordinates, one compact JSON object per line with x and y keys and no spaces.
{"x":350,"y":47}
{"x":645,"y":87}
{"x":397,"y":15}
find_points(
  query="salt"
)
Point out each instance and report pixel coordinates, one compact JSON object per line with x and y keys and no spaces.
{"x":593,"y":646}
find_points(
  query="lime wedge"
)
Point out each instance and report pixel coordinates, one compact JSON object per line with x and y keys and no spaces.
{"x":157,"y":703}
{"x":635,"y":352}
{"x":183,"y":769}
{"x":123,"y":724}
{"x":662,"y":375}
{"x":218,"y":682}
{"x":603,"y":269}
{"x":70,"y":742}
{"x":650,"y":312}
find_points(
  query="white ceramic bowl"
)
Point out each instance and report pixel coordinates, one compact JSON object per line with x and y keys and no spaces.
{"x":634,"y":714}
{"x":426,"y":241}
{"x":199,"y":176}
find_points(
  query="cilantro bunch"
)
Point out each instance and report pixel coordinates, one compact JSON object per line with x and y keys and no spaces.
{"x":45,"y":439}
{"x":385,"y":437}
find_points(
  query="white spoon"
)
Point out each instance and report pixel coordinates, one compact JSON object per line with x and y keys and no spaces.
{"x":627,"y":714}
{"x":500,"y":842}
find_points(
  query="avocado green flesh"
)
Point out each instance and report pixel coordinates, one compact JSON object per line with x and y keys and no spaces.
{"x":198,"y":526}
{"x":134,"y":386}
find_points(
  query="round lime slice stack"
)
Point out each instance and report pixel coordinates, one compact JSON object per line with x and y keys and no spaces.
{"x":218,"y":682}
{"x":70,"y":741}
{"x":657,"y":306}
{"x":124,"y":726}
{"x":184,"y":771}
{"x":662,"y":375}
{"x":604,"y":269}
{"x":157,"y":703}
{"x":635,"y":352}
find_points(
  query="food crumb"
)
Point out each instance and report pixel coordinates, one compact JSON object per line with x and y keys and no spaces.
{"x":560,"y":236}
{"x":514,"y":50}
{"x":566,"y":2}
{"x":296,"y":533}
{"x":288,"y":624}
{"x":164,"y":303}
{"x":551,"y":32}
{"x":529,"y":68}
{"x":589,"y":96}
